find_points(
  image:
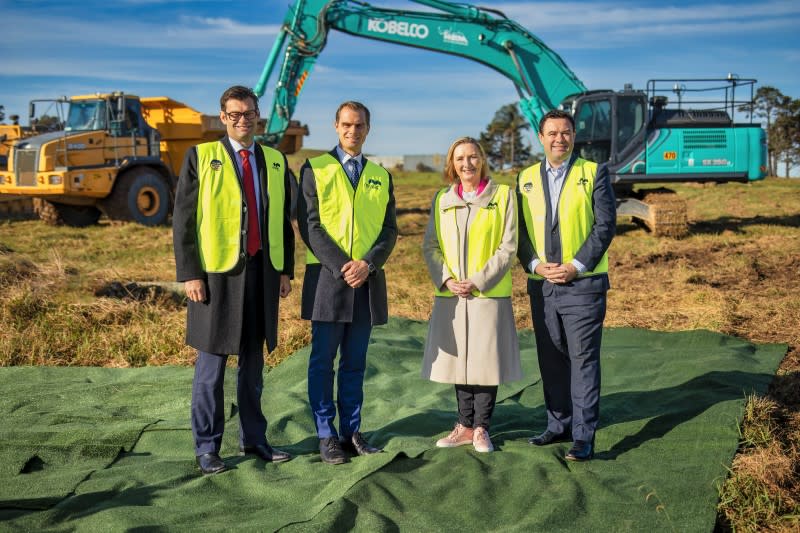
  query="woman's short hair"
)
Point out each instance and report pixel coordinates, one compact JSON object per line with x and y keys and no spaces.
{"x":450,"y":175}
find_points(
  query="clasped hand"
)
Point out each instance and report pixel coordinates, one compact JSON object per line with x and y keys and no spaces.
{"x":355,"y":273}
{"x":559,"y":273}
{"x":460,"y":288}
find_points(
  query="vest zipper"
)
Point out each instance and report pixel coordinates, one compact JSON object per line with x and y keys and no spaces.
{"x":353,"y":218}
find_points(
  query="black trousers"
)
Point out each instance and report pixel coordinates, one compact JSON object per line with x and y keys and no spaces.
{"x":475,"y":404}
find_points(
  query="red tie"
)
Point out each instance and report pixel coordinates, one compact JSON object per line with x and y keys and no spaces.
{"x":253,"y":241}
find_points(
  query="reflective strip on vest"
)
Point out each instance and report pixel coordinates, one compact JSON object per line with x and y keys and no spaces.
{"x":353,"y":219}
{"x":575,"y":201}
{"x":484,"y":238}
{"x":219,"y":208}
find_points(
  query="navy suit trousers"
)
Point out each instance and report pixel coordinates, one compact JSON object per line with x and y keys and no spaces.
{"x":208,"y":409}
{"x":350,"y":339}
{"x":569,"y":329}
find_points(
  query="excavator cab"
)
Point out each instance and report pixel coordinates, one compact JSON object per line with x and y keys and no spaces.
{"x":609,"y":125}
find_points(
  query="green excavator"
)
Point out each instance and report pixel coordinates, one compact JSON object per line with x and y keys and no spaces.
{"x":672,"y":131}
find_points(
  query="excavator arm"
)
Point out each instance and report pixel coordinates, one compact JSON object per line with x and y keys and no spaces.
{"x":487,"y":36}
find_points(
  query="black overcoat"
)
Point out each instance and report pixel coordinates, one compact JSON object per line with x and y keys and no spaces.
{"x":215,"y":325}
{"x":326,"y":296}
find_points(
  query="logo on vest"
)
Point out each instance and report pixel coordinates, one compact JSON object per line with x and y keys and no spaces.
{"x":582,"y":182}
{"x":491,"y":205}
{"x":528,"y":187}
{"x":374,"y":183}
{"x":276,"y":166}
{"x":216,"y":164}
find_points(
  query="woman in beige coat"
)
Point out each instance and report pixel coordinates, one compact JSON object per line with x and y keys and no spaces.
{"x":470,"y":244}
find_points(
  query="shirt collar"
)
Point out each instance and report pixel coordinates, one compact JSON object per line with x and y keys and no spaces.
{"x":344,"y":157}
{"x":556,"y":172}
{"x":237,"y":146}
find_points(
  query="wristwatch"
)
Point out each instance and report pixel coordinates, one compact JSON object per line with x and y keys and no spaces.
{"x":372,"y":269}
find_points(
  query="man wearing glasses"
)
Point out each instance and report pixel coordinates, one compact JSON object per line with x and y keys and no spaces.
{"x":234,"y":251}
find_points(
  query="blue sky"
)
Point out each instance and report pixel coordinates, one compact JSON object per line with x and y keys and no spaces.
{"x":420,"y":100}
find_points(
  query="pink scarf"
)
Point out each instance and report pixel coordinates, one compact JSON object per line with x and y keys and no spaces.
{"x":481,"y":185}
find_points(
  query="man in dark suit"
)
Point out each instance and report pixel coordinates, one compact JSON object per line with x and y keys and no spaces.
{"x":234,"y":251}
{"x":346,"y":216}
{"x":568,"y":222}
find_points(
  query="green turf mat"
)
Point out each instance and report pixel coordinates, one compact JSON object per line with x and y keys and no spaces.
{"x":88,"y":449}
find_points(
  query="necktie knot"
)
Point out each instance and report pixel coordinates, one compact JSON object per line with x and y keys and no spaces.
{"x":353,"y":170}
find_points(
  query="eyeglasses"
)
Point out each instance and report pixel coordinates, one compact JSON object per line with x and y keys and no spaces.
{"x":235,"y":116}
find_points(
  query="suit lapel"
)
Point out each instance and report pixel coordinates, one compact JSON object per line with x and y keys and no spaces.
{"x":228,"y":148}
{"x":546,"y":186}
{"x":261,"y":169}
{"x":548,"y":211}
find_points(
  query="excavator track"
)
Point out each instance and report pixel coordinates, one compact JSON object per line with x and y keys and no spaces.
{"x":667,"y":214}
{"x":660,"y":211}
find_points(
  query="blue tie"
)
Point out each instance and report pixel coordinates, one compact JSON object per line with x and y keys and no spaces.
{"x":353,"y":171}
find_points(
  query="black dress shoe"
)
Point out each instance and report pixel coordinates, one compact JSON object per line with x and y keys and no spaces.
{"x":582,"y":450}
{"x":331,"y":451}
{"x":357,"y":445}
{"x":266,"y":452}
{"x":210,"y":463}
{"x":548,"y":437}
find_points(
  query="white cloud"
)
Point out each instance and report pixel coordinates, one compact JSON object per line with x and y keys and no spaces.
{"x":612,"y":16}
{"x":189,"y":32}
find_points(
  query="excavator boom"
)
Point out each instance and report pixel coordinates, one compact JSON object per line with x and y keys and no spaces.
{"x":541,"y":77}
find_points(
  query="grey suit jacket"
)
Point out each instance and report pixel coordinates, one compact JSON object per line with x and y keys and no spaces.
{"x":326,"y":296}
{"x":592,"y":249}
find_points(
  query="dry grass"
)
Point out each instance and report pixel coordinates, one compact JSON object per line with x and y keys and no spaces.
{"x":737,"y":273}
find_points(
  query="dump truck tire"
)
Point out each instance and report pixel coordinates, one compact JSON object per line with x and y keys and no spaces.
{"x":76,"y":216}
{"x":140,"y":195}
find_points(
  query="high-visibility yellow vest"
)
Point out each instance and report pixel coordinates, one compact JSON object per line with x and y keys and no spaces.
{"x":484,"y":238}
{"x":352,"y":218}
{"x":219,"y":208}
{"x":575,"y":204}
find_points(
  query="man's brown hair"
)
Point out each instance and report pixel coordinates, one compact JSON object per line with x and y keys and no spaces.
{"x":238,"y":92}
{"x":355,"y":106}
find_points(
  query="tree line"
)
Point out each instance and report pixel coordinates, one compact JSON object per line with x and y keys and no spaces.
{"x":782,"y":116}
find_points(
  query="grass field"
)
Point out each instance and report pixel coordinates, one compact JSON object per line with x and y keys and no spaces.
{"x":67,"y":298}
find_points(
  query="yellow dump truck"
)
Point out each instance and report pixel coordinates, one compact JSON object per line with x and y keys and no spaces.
{"x":9,"y":133}
{"x":12,"y":206}
{"x":118,"y":154}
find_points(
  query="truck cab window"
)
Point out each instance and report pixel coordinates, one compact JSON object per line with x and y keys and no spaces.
{"x":86,"y":115}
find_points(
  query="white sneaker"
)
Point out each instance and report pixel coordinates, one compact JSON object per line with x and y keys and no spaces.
{"x":481,"y":440}
{"x":460,"y":436}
